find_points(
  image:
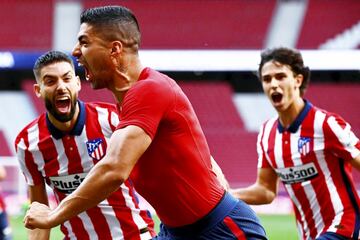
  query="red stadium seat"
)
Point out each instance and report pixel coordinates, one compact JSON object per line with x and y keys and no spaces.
{"x":195,"y":24}
{"x":26,"y":25}
{"x":233,"y":147}
{"x":325,"y":19}
{"x":4,"y":149}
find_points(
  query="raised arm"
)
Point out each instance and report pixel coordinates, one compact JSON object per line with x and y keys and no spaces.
{"x":263,"y":191}
{"x":124,"y":149}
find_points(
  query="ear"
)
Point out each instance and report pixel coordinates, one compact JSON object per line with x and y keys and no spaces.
{"x":298,"y":80}
{"x":116,"y":49}
{"x":37,"y":90}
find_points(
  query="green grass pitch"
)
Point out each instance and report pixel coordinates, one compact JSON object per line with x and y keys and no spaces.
{"x":277,"y":227}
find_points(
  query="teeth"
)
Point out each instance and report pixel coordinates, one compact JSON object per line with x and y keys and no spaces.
{"x":62,"y":98}
{"x":80,"y":64}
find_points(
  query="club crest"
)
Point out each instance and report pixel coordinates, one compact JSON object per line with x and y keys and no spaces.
{"x":304,"y":145}
{"x":96,"y":148}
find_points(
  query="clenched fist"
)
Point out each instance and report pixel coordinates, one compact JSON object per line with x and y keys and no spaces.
{"x":38,"y":216}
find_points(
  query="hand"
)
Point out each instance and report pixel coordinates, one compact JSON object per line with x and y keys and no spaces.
{"x":38,"y":216}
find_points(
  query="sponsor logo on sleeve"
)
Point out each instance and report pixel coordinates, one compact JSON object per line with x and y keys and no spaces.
{"x":96,"y":148}
{"x":67,"y":184}
{"x":297,"y":174}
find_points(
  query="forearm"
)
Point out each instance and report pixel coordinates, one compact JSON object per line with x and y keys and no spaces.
{"x":254,"y":194}
{"x":101,"y":181}
{"x":356,"y":163}
{"x":38,"y":234}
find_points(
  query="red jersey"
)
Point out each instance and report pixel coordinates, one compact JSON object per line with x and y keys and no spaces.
{"x":174,"y":174}
{"x":45,"y":153}
{"x":312,"y":159}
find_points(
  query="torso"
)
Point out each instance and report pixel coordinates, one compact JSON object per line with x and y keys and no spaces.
{"x":315,"y":169}
{"x":64,"y":161}
{"x":174,"y":174}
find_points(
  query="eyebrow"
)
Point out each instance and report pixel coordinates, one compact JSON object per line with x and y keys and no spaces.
{"x":82,"y":38}
{"x":53,"y":76}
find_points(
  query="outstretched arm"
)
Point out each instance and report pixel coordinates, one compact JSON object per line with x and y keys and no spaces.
{"x":124,"y":149}
{"x":263,"y":191}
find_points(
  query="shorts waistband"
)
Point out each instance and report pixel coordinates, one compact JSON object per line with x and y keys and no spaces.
{"x":226,"y":204}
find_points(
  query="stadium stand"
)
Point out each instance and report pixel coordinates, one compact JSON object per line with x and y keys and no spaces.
{"x":342,"y":99}
{"x":231,"y":145}
{"x":213,"y":104}
{"x":31,"y":25}
{"x":9,"y":184}
{"x":4,"y":149}
{"x":28,"y":86}
{"x":329,"y":18}
{"x":183,"y":24}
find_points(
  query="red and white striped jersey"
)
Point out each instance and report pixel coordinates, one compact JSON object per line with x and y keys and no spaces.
{"x":63,"y":160}
{"x":312,"y":159}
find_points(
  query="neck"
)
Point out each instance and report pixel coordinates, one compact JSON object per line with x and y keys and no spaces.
{"x":125,"y":77}
{"x":288,"y":116}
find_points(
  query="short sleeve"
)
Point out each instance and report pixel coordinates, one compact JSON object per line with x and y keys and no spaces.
{"x":340,"y":138}
{"x":27,"y":164}
{"x":262,"y":160}
{"x":145,"y":104}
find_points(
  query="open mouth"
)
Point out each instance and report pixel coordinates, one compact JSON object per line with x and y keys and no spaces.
{"x":87,"y":72}
{"x":276,"y":97}
{"x":63,"y":104}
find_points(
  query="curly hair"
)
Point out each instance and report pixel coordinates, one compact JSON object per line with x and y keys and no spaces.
{"x":290,"y":57}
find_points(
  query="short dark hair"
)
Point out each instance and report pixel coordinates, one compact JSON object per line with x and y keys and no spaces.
{"x":50,"y":58}
{"x":290,"y":57}
{"x":115,"y":23}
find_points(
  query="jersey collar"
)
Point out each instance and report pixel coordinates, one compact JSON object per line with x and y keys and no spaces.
{"x":79,"y":125}
{"x":299,"y":119}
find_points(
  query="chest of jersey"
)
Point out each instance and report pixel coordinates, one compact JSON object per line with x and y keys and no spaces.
{"x":295,"y":156}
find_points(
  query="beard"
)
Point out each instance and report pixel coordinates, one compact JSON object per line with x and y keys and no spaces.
{"x":51,"y":108}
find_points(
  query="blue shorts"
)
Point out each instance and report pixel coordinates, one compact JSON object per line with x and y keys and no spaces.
{"x":230,"y":219}
{"x":331,"y":236}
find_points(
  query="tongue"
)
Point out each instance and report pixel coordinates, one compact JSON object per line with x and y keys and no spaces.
{"x":63,"y":106}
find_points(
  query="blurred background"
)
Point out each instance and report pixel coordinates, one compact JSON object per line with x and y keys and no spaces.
{"x":211,"y":47}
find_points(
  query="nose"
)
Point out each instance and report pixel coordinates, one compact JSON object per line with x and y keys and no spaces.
{"x":274,"y":83}
{"x":61,"y":87}
{"x":76,"y":51}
